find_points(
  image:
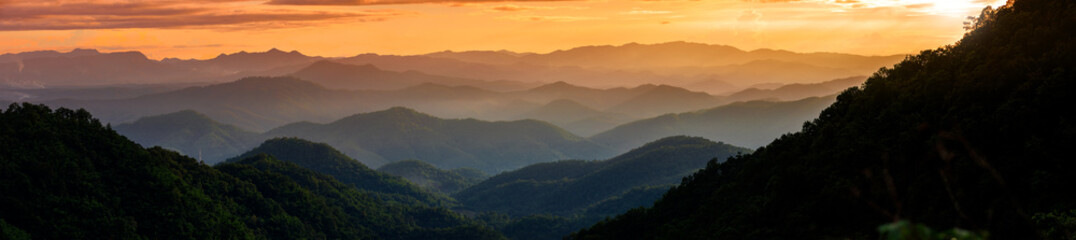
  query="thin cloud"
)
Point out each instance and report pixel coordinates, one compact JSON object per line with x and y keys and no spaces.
{"x":389,"y":2}
{"x":89,"y":9}
{"x":537,"y":18}
{"x":164,"y":14}
{"x":520,"y":8}
{"x":517,"y":8}
{"x":645,"y":12}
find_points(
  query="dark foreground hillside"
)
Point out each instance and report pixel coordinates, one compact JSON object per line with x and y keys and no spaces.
{"x":65,"y":176}
{"x":976,"y":135}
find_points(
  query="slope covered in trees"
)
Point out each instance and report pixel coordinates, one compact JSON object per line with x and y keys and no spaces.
{"x":323,"y":159}
{"x":433,"y":178}
{"x":65,"y":176}
{"x":569,"y":187}
{"x":190,"y":133}
{"x":976,"y":135}
{"x":550,"y":200}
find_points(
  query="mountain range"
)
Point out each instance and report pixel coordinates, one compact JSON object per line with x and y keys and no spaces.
{"x":87,"y":67}
{"x":398,"y":134}
{"x":675,"y":63}
{"x":90,"y":182}
{"x":432,"y":178}
{"x":750,"y":124}
{"x":261,"y":103}
{"x":967,"y":141}
{"x":549,"y":200}
{"x":570,"y":186}
{"x":190,"y":133}
{"x":322,"y":158}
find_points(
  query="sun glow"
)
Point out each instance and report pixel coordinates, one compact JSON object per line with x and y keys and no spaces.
{"x":932,"y":7}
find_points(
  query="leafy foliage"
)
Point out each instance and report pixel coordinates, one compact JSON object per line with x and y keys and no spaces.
{"x":905,"y":230}
{"x":65,"y":176}
{"x":973,"y":136}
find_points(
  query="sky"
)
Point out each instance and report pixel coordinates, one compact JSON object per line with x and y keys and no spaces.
{"x":336,"y":28}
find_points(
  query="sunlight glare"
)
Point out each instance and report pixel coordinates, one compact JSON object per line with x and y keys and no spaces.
{"x":932,"y":7}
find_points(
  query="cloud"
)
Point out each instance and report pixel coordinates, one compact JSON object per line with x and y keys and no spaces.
{"x":517,"y":8}
{"x":76,"y":9}
{"x":750,"y":24}
{"x":919,"y":6}
{"x":774,"y":1}
{"x":165,"y":14}
{"x":551,"y":18}
{"x":645,"y":12}
{"x":387,"y":2}
{"x":750,"y":16}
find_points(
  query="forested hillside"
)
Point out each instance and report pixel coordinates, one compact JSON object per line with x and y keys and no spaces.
{"x":63,"y":175}
{"x":570,"y":186}
{"x":322,"y":158}
{"x":190,"y":133}
{"x":550,"y":200}
{"x":974,"y":136}
{"x":433,"y":178}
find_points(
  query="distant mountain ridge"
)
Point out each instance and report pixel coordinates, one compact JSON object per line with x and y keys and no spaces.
{"x":262,"y":103}
{"x":190,"y":133}
{"x":710,"y":68}
{"x":796,"y":91}
{"x":400,"y":133}
{"x":567,"y":187}
{"x":322,"y":158}
{"x":750,"y":124}
{"x":432,"y":178}
{"x":89,"y":67}
{"x":685,"y":58}
{"x":369,"y":77}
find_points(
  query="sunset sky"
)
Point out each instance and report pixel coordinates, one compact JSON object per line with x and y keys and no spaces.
{"x":206,"y":28}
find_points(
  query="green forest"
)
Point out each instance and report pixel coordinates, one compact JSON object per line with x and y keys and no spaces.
{"x":66,"y":176}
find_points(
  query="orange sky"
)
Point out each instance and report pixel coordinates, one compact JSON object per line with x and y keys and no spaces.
{"x":205,"y":28}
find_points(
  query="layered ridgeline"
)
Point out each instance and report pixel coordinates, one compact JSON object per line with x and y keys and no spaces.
{"x":88,"y":67}
{"x":65,"y":176}
{"x":190,"y":133}
{"x":378,"y":138}
{"x":255,"y":103}
{"x":263,"y":103}
{"x":576,"y":117}
{"x":796,"y":91}
{"x":569,"y":187}
{"x":398,"y":134}
{"x":433,"y":178}
{"x":322,"y":158}
{"x":976,"y":135}
{"x":749,"y":124}
{"x":550,"y":200}
{"x":369,"y":77}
